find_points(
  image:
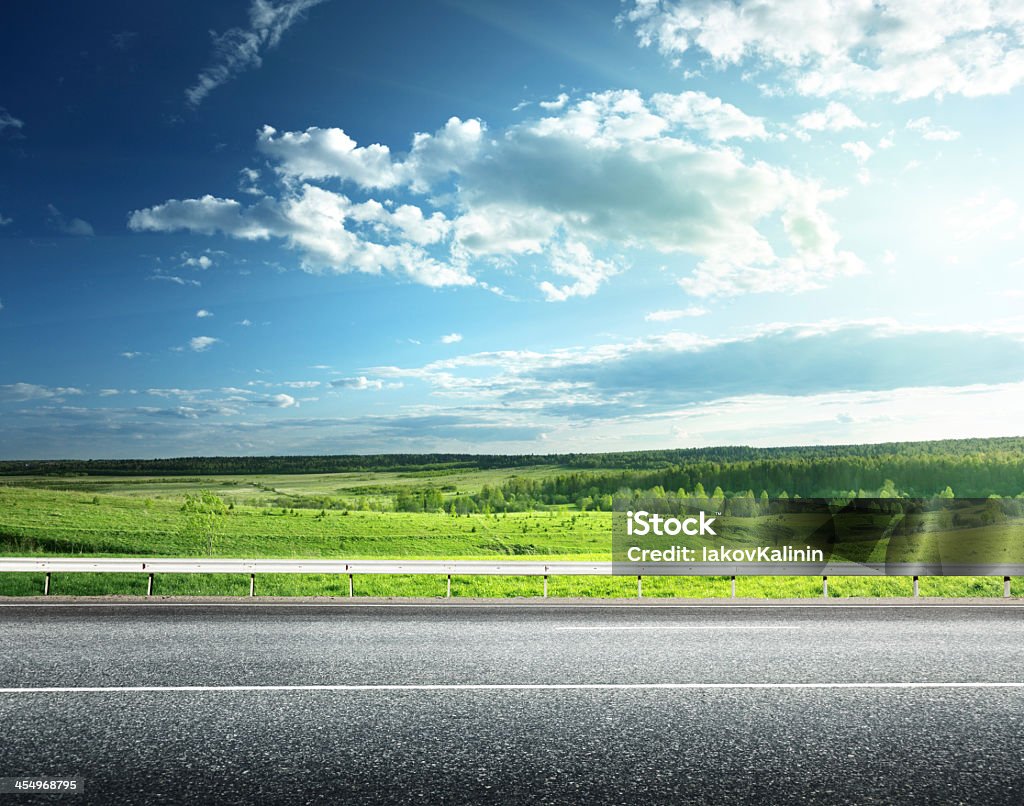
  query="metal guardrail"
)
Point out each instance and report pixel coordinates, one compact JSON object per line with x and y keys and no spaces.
{"x":449,"y":568}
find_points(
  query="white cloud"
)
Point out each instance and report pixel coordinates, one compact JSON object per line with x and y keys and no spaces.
{"x":201,"y":262}
{"x":173,"y":278}
{"x":202,"y":343}
{"x":7,"y":121}
{"x":574,"y":260}
{"x":245,"y":323}
{"x":315,"y":221}
{"x":331,"y":154}
{"x":451,"y":338}
{"x":987,"y":214}
{"x":930,"y":131}
{"x":283,"y":401}
{"x":719,"y":120}
{"x":361,"y":383}
{"x":4,"y":221}
{"x":609,"y":172}
{"x":241,"y":49}
{"x":833,"y":118}
{"x":130,"y":354}
{"x":860,"y":150}
{"x":202,"y":313}
{"x":20,"y":392}
{"x":672,"y":315}
{"x":910,"y":49}
{"x":67,"y":226}
{"x":604,"y":172}
{"x":109,"y":392}
{"x":247,"y":181}
{"x":558,"y":103}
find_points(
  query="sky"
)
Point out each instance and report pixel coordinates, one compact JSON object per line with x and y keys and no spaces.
{"x":315,"y":227}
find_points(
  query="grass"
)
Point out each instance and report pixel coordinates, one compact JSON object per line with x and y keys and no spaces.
{"x":130,"y":520}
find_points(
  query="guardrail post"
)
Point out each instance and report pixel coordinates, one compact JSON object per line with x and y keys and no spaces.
{"x":917,"y":587}
{"x":46,"y":584}
{"x":448,"y":594}
{"x":545,"y":586}
{"x":733,"y":586}
{"x":1006,"y":587}
{"x":351,"y":587}
{"x":252,"y":584}
{"x":149,"y":586}
{"x":824,"y":587}
{"x":639,"y":586}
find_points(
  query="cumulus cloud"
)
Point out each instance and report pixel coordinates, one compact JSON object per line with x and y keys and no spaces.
{"x":202,"y":313}
{"x":331,"y":230}
{"x":67,"y":226}
{"x":240,"y":49}
{"x":860,"y":150}
{"x":361,"y":383}
{"x":608,"y":171}
{"x":907,"y":50}
{"x":833,"y":118}
{"x":4,"y":221}
{"x":572,"y":191}
{"x":574,"y":260}
{"x":201,"y":344}
{"x":929,"y":131}
{"x":451,"y":338}
{"x":557,"y":103}
{"x":701,"y":112}
{"x":283,"y":401}
{"x":201,"y":262}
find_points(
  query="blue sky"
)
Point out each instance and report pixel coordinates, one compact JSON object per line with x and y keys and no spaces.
{"x":312,"y":226}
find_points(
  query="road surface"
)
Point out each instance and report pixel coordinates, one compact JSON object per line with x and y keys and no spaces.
{"x":439,"y":703}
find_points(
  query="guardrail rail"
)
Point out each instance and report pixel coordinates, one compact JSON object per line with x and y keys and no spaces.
{"x":449,"y":568}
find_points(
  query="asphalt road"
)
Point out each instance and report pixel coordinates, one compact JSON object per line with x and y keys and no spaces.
{"x":346,"y":704}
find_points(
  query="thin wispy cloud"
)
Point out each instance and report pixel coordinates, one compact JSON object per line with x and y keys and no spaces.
{"x":173,"y":278}
{"x":67,"y":226}
{"x":671,"y":315}
{"x":242,"y":48}
{"x":8,"y":121}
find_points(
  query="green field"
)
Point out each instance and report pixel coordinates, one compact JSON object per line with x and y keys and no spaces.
{"x":143,"y":516}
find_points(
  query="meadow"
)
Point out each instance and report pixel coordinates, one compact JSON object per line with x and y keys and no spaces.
{"x":144,"y":516}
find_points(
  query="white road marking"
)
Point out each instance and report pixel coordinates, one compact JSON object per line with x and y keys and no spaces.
{"x":1010,"y":605}
{"x":684,"y":627}
{"x":506,"y":687}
